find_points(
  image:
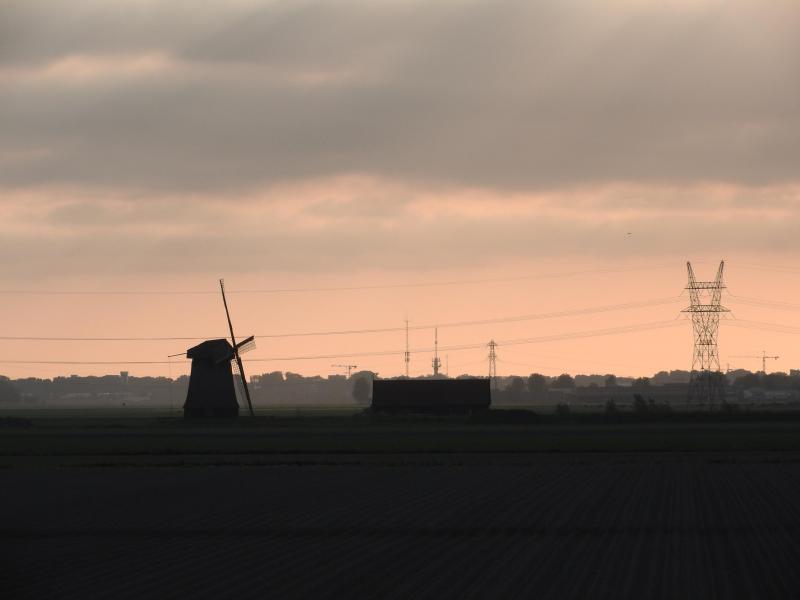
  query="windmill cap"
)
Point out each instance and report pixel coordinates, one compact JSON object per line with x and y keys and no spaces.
{"x":217,"y":350}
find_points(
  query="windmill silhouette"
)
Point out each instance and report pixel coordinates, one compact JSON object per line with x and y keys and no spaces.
{"x":217,"y":370}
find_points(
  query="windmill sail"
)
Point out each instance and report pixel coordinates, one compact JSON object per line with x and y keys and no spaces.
{"x":236,"y":359}
{"x":238,"y":382}
{"x":246,"y":345}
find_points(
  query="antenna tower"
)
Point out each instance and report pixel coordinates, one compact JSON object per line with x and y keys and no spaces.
{"x":408,"y":352}
{"x":436,"y":362}
{"x":706,"y":383}
{"x":493,"y":361}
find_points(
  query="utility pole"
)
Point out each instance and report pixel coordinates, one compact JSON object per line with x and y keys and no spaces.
{"x":408,"y":352}
{"x":436,"y":362}
{"x":706,"y":383}
{"x":493,"y":362}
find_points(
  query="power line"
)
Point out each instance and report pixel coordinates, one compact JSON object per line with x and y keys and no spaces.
{"x":763,"y":303}
{"x":452,"y":324}
{"x":562,"y":359}
{"x":396,"y":352}
{"x":593,"y":333}
{"x":762,"y":326}
{"x":780,"y":268}
{"x":330,"y":288}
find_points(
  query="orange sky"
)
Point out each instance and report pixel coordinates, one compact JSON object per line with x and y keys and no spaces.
{"x":581,"y":151}
{"x":639,"y":353}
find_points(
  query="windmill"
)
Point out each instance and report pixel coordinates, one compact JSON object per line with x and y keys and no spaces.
{"x":216,"y":369}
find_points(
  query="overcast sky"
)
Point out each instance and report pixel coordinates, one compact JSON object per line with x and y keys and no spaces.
{"x":152,"y":143}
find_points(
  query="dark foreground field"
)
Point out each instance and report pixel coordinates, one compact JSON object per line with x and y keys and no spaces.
{"x":714,"y":523}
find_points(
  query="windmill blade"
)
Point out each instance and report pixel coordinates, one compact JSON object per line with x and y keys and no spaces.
{"x":236,"y":358}
{"x":237,"y":381}
{"x":246,"y":345}
{"x":227,"y":312}
{"x":239,"y":364}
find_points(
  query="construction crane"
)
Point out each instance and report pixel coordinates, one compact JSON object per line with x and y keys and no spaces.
{"x":348,"y":367}
{"x":763,"y":358}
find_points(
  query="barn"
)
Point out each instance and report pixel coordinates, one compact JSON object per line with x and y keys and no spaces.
{"x":211,"y":390}
{"x":431,"y":396}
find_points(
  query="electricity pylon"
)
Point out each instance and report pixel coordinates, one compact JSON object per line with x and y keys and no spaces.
{"x":493,"y":362}
{"x":706,"y":383}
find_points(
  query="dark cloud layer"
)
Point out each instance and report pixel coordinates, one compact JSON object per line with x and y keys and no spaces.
{"x":503,"y":95}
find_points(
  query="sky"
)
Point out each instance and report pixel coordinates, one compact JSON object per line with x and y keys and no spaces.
{"x":447,"y":162}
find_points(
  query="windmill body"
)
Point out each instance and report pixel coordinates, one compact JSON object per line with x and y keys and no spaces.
{"x":211,"y":387}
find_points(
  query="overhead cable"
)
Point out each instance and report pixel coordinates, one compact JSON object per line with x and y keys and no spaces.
{"x":454,"y":348}
{"x":56,"y":292}
{"x":451,"y":324}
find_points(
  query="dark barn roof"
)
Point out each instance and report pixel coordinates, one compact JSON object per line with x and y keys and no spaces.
{"x":433,"y":396}
{"x":211,"y":392}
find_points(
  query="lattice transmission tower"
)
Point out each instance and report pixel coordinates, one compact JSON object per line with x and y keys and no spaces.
{"x":492,"y":362}
{"x":706,"y":383}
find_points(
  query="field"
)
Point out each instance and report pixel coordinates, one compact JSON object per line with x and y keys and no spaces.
{"x":337,"y":506}
{"x":109,"y":437}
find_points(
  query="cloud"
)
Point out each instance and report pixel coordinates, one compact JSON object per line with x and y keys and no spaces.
{"x":335,"y":226}
{"x":180,"y":98}
{"x":305,"y":136}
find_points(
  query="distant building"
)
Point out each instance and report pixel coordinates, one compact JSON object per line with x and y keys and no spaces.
{"x":431,"y":396}
{"x":211,"y":391}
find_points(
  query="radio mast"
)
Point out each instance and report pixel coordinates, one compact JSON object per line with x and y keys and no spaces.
{"x":436,"y":362}
{"x":408,"y":352}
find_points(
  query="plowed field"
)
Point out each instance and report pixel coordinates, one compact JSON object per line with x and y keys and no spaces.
{"x":611,"y":525}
